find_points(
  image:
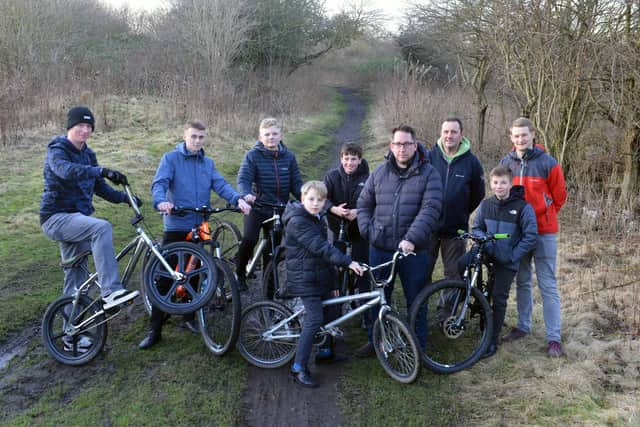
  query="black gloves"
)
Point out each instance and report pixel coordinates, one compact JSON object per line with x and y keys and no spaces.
{"x":137,"y":199}
{"x":114,"y":176}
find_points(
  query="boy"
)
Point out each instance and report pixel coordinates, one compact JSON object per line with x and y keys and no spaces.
{"x":309,"y":257}
{"x":505,"y":212}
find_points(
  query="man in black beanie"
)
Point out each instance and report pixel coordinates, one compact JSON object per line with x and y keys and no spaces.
{"x":71,"y":177}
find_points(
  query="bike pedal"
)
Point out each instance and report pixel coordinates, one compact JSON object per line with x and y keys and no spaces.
{"x":335,"y":332}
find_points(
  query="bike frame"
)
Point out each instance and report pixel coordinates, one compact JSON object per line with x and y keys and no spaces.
{"x":267,"y":237}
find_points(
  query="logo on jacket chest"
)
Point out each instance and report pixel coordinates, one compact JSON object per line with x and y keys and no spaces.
{"x":513,"y":212}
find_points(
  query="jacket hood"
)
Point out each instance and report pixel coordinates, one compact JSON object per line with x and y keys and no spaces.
{"x":63,"y":142}
{"x":418,"y":159}
{"x":269,"y":153}
{"x":516,"y":192}
{"x":465,"y":146}
{"x":363,"y":169}
{"x":182,"y":149}
{"x":295,"y":208}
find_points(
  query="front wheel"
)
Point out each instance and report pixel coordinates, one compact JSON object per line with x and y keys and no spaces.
{"x":396,"y":348}
{"x":228,"y":237}
{"x":185,"y":295}
{"x":84,"y":344}
{"x":219,"y":319}
{"x":453,"y":334}
{"x":262,"y":345}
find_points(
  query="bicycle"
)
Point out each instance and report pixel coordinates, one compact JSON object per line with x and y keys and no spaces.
{"x":74,"y":328}
{"x":219,"y":319}
{"x":457,"y":314}
{"x":269,"y":329}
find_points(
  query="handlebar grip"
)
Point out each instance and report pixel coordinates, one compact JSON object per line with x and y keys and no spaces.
{"x":501,"y":236}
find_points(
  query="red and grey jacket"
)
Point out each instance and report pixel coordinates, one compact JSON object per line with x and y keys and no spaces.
{"x":542,"y":178}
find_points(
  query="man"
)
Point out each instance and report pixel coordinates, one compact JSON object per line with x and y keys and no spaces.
{"x":269,"y":172}
{"x":545,"y":190}
{"x":71,"y":177}
{"x":462,"y":189}
{"x":399,"y":208}
{"x":185,"y":177}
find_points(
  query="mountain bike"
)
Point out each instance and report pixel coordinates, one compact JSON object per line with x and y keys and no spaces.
{"x":270,"y":330}
{"x":219,"y":319}
{"x":457,"y":314}
{"x":74,"y":328}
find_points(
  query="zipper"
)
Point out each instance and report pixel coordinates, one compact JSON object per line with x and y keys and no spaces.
{"x":275,"y":167}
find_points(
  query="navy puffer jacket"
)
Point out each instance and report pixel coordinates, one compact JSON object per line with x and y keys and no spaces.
{"x":270,"y":175}
{"x":309,"y":255}
{"x":399,"y":204}
{"x":343,"y":188}
{"x":71,"y":178}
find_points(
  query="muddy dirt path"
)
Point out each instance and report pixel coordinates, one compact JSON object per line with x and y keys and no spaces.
{"x":271,"y":397}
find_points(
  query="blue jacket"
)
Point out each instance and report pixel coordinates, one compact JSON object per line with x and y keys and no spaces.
{"x":513,"y":216}
{"x":462,"y":186}
{"x":309,"y":255}
{"x":71,"y":178}
{"x":400,"y":205}
{"x":186,"y":180}
{"x":270,"y":175}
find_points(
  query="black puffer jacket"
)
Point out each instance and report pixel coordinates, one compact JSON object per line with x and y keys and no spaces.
{"x":400,"y":205}
{"x":343,"y":188}
{"x":309,"y":255}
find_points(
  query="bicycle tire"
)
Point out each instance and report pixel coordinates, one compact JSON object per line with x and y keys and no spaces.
{"x":219,"y":319}
{"x":53,"y":330}
{"x":228,"y":237}
{"x":399,"y":353}
{"x":268,"y":285}
{"x":450,"y":348}
{"x":186,"y":296}
{"x":258,"y":318}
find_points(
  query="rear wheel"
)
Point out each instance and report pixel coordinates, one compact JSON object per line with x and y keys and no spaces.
{"x":181,"y":296}
{"x":268,"y":350}
{"x":228,"y":237}
{"x":83,"y":344}
{"x":455,"y":334}
{"x":396,"y":348}
{"x":219,"y":319}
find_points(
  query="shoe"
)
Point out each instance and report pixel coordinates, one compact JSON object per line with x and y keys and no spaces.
{"x":304,"y":378}
{"x":554,"y":349}
{"x":83,"y":343}
{"x":190,"y":325}
{"x":150,"y":340}
{"x":117,"y":298}
{"x":514,"y":334}
{"x":491,"y":351}
{"x":365,"y":350}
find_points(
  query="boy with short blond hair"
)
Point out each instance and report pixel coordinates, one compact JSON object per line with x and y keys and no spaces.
{"x":309,"y":260}
{"x":505,"y":212}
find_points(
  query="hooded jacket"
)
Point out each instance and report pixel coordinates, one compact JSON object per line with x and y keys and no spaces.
{"x":309,"y":256}
{"x":544,"y":185}
{"x":462,"y":186}
{"x":398,"y":204}
{"x":270,"y":175}
{"x":186,"y":180}
{"x":343,"y":188}
{"x":71,"y":178}
{"x":513,"y":216}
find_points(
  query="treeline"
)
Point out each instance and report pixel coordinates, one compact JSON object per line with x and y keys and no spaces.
{"x":214,"y":58}
{"x":572,"y":66}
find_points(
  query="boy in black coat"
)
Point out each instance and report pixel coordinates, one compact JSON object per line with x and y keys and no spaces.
{"x":309,"y":259}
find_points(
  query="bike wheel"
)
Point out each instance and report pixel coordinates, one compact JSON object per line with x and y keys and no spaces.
{"x":396,"y":348}
{"x":181,"y":296}
{"x":219,"y":319}
{"x":229,"y":237}
{"x":83,"y":346}
{"x":268,"y":281}
{"x":453,"y":341}
{"x":273,"y":350}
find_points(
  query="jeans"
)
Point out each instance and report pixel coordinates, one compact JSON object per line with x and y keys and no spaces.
{"x":413,"y":272}
{"x":544,"y":256}
{"x":310,"y":326}
{"x":77,"y":233}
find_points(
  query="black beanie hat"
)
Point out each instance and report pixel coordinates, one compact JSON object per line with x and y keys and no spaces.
{"x":79,"y":115}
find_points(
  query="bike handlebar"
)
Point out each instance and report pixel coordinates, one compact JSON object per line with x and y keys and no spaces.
{"x":261,"y":204}
{"x":482,"y":238}
{"x":203,"y":210}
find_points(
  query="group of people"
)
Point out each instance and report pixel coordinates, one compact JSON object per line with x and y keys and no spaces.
{"x":414,"y":201}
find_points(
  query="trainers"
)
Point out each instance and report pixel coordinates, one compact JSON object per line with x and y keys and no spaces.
{"x":83,"y":343}
{"x":514,"y":334}
{"x":118,"y":297}
{"x":365,"y":350}
{"x":554,"y":349}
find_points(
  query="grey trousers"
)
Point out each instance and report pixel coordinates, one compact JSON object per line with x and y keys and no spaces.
{"x":451,"y":250}
{"x":77,"y":233}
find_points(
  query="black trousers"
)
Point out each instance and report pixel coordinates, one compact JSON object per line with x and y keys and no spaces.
{"x":250,"y":235}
